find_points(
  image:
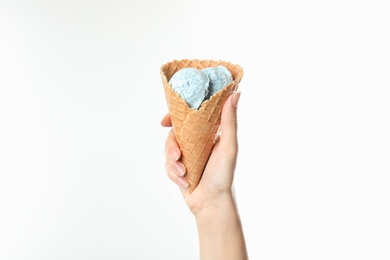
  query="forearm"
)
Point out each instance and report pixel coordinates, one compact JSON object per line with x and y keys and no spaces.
{"x":220,"y":231}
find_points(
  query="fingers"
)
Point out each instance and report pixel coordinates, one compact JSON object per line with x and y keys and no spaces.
{"x":166,"y":121}
{"x":172,"y":150}
{"x":178,"y":180}
{"x":229,"y":121}
{"x":174,"y":168}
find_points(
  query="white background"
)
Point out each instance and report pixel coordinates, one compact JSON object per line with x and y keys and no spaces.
{"x":81,"y":146}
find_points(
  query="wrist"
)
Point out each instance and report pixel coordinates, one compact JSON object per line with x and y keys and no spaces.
{"x":219,"y":229}
{"x":212,"y":204}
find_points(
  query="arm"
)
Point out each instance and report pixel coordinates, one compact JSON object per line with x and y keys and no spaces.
{"x":212,"y":202}
{"x":220,"y":232}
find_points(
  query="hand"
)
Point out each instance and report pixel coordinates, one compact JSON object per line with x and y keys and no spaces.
{"x":212,"y":202}
{"x":217,"y":180}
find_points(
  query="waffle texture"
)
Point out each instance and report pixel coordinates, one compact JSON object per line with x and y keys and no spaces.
{"x":195,"y":130}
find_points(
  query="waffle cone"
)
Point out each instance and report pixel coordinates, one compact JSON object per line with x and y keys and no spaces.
{"x":196,"y":130}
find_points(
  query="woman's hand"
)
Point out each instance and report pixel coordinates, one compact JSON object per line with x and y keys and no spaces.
{"x":212,"y":202}
{"x":217,"y":179}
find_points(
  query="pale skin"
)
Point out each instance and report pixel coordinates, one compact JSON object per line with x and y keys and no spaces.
{"x":213,"y":202}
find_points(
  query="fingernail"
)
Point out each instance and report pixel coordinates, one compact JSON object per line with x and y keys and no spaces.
{"x":179,"y":169}
{"x":175,"y":154}
{"x":236,"y":98}
{"x":182,"y":182}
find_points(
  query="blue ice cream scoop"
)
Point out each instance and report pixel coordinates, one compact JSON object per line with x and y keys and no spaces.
{"x":219,"y":77}
{"x":192,"y":85}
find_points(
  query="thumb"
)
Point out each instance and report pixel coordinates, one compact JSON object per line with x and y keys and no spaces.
{"x":228,"y":126}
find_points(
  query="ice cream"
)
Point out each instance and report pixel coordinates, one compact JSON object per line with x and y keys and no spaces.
{"x":219,"y":78}
{"x":195,"y":129}
{"x":195,"y":85}
{"x":192,"y":85}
